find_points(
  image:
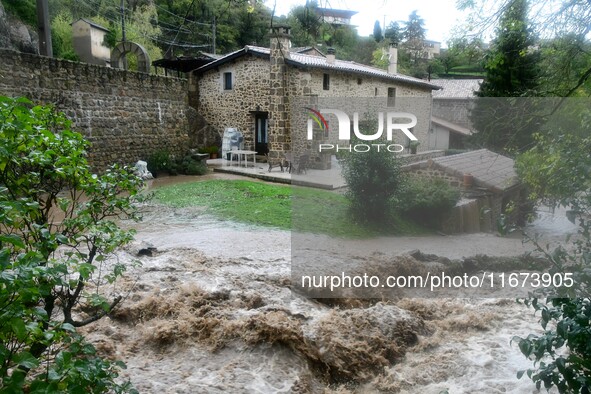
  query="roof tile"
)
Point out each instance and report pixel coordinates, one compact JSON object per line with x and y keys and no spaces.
{"x":489,"y":169}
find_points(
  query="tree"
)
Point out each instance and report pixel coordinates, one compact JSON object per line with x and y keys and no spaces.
{"x":466,"y":51}
{"x":374,"y":180}
{"x":566,"y":66}
{"x":377,"y":32}
{"x":414,"y":37}
{"x":448,"y":60}
{"x":563,"y":19}
{"x":380,"y":58}
{"x":57,"y":227}
{"x":511,"y":66}
{"x":305,"y":24}
{"x":557,"y":170}
{"x":61,"y":37}
{"x":511,"y":71}
{"x":393,"y":33}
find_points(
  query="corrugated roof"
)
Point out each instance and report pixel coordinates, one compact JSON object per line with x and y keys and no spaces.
{"x":457,"y":88}
{"x":303,"y":60}
{"x":489,"y":169}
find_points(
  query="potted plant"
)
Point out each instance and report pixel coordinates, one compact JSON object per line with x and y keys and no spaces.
{"x":413,"y":147}
{"x":213,"y":151}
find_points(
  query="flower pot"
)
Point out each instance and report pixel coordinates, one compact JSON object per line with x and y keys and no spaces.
{"x":213,"y":155}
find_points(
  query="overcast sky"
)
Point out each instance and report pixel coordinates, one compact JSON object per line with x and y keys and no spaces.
{"x":440,"y":15}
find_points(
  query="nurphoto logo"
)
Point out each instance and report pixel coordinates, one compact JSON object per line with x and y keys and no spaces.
{"x":394,"y":122}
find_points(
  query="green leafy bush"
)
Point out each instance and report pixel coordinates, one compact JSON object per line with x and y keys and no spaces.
{"x":159,"y":161}
{"x":373,"y":179}
{"x":427,"y":201}
{"x":193,"y":167}
{"x":57,"y":227}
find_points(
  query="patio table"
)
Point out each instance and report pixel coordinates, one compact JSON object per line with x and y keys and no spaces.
{"x":245,"y":153}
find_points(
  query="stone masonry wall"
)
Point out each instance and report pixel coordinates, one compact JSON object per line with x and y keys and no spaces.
{"x":234,"y":108}
{"x":125,"y":115}
{"x":454,"y":110}
{"x":279,"y":122}
{"x":264,"y":85}
{"x":355,"y":91}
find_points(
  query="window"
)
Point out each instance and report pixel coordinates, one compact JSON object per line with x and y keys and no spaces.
{"x":391,"y":97}
{"x":359,"y":81}
{"x":376,"y":92}
{"x":228,"y":81}
{"x":326,"y":82}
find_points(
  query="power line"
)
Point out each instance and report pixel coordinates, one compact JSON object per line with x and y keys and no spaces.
{"x":180,"y":17}
{"x":169,"y":50}
{"x":93,"y":6}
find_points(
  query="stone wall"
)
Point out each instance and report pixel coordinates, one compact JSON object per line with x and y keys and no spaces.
{"x":125,"y":115}
{"x":355,"y":93}
{"x":236,"y":107}
{"x":262,"y":84}
{"x":454,"y":110}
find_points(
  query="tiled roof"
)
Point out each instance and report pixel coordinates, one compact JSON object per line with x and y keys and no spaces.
{"x":303,"y":60}
{"x":456,"y":88}
{"x":489,"y":169}
{"x":305,"y":50}
{"x":300,"y":49}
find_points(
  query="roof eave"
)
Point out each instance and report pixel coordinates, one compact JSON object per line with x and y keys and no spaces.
{"x":360,"y":72}
{"x":228,"y":58}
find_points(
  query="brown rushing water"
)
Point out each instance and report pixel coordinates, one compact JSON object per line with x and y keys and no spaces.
{"x":212,"y":312}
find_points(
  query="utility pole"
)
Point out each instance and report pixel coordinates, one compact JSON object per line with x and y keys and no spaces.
{"x":213,"y":32}
{"x":44,"y":28}
{"x":123,"y":39}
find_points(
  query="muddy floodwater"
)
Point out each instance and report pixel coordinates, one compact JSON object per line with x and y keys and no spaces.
{"x":210,"y":310}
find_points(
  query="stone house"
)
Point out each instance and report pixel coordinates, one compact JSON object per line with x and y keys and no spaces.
{"x":490,"y":188}
{"x":335,"y":17}
{"x":252,"y":89}
{"x":88,"y":40}
{"x":450,"y":120}
{"x":432,"y":49}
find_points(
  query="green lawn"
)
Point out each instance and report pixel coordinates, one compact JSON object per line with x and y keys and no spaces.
{"x":279,"y":206}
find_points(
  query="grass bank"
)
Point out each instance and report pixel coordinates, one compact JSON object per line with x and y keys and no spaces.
{"x":285,"y":207}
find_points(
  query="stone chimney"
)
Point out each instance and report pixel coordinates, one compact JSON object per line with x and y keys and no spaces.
{"x":280,"y":41}
{"x":330,"y":55}
{"x":279,"y":136}
{"x":393,"y":59}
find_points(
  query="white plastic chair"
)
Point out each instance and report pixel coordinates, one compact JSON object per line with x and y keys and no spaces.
{"x":232,"y":154}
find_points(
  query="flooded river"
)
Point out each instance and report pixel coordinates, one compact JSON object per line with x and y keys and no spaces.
{"x":211,"y":310}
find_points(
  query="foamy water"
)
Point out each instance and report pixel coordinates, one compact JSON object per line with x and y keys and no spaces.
{"x":261,"y":338}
